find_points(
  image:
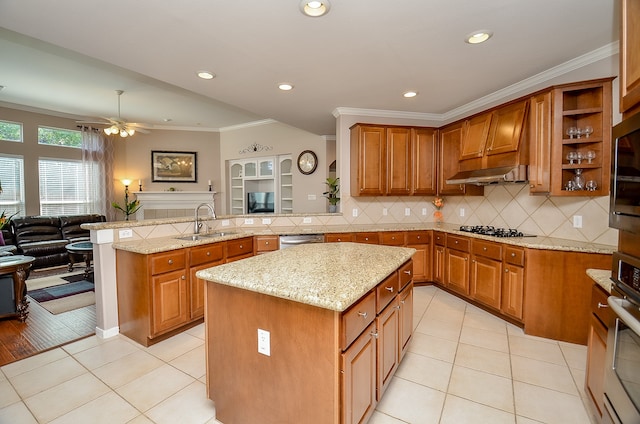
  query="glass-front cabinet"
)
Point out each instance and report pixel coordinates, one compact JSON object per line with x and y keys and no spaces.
{"x":286,"y":184}
{"x":261,"y":185}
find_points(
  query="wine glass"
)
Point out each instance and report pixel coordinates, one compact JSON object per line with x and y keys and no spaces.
{"x":591,"y":185}
{"x":571,"y":156}
{"x":587,"y":131}
{"x":590,"y":156}
{"x":579,"y":156}
{"x":572,"y":132}
{"x":570,"y":186}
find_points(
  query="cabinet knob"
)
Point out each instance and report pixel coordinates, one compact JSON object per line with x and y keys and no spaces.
{"x":183,"y":277}
{"x":466,"y":259}
{"x":398,"y":307}
{"x":484,"y":248}
{"x":531,"y":185}
{"x":506,"y":270}
{"x":170,"y":261}
{"x":601,"y":305}
{"x":374,"y":334}
{"x":241,"y":247}
{"x":363,"y":314}
{"x":208,"y":253}
{"x":418,"y":237}
{"x":456,"y":241}
{"x":402,"y":301}
{"x":366,"y":238}
{"x":389,"y":289}
{"x":513,"y":255}
{"x":266,"y":243}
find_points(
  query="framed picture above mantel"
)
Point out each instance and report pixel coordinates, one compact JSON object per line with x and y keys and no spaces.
{"x":174,"y":167}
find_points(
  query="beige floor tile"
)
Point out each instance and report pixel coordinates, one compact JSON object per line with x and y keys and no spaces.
{"x":104,"y":353}
{"x":141,"y":419}
{"x":126,"y":369}
{"x":524,"y":420}
{"x":197,"y":331}
{"x":154,"y":387}
{"x":33,"y":362}
{"x":440,"y":329}
{"x":484,"y":321}
{"x":192,"y":362}
{"x":486,"y":360}
{"x":481,"y":387}
{"x":543,"y":374}
{"x":189,"y":405}
{"x":458,"y":410}
{"x":379,"y":418}
{"x":536,"y":348}
{"x":65,"y":397}
{"x":433,"y":347}
{"x":83,"y":344}
{"x":8,"y":395}
{"x":49,"y":375}
{"x":575,"y":355}
{"x":16,"y":413}
{"x":412,"y":402}
{"x":107,"y":409}
{"x":548,"y":406}
{"x":426,"y":371}
{"x":175,"y":346}
{"x":484,"y":338}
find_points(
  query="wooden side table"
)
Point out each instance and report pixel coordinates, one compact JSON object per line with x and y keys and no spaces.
{"x":17,"y":266}
{"x":84,"y":248}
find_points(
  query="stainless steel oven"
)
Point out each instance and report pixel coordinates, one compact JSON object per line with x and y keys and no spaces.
{"x":622,"y":373}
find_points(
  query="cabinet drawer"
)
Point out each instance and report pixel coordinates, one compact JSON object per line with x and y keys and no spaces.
{"x":405,"y":274}
{"x":439,"y":239}
{"x":514,"y":256}
{"x":209,"y":253}
{"x":386,"y":291}
{"x":486,"y":249}
{"x":458,"y":243}
{"x":392,"y":238}
{"x":337,"y":237}
{"x":267,"y":243}
{"x":367,"y":238}
{"x":239,"y":247}
{"x":605,"y":314}
{"x":418,"y":237}
{"x":357,"y":318}
{"x":165,"y":262}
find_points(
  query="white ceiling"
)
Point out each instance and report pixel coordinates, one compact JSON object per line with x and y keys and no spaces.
{"x":69,"y":56}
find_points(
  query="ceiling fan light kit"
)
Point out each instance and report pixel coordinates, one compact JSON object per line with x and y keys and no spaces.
{"x":118,"y":126}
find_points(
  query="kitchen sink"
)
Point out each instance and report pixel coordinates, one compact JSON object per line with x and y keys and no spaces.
{"x":195,"y":237}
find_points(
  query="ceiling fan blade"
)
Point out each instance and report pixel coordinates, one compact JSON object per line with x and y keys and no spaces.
{"x":142,"y":130}
{"x":93,"y":122}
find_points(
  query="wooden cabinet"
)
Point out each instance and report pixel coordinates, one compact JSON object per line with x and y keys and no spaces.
{"x":339,"y":237}
{"x":474,"y":136}
{"x":201,"y":258}
{"x":601,"y":319}
{"x":366,"y":237}
{"x":358,"y":379}
{"x":505,"y":132}
{"x":170,"y":301}
{"x":486,"y":273}
{"x":629,"y":55}
{"x":580,"y":106}
{"x":387,"y":345}
{"x":540,"y":137}
{"x":265,"y":244}
{"x":239,"y":249}
{"x":405,"y":300}
{"x":512,"y":299}
{"x":449,"y":140}
{"x":421,"y":241}
{"x":456,"y":272}
{"x":391,"y":160}
{"x":439,"y":253}
{"x":392,"y":238}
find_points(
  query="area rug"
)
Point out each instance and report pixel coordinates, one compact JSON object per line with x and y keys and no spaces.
{"x":62,"y":293}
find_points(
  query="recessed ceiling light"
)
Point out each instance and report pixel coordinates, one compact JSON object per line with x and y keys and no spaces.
{"x":285,"y":86}
{"x":315,"y":8}
{"x":206,"y":75}
{"x":477,"y":37}
{"x":410,"y":94}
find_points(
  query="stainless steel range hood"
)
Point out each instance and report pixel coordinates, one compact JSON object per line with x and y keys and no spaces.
{"x":502,"y":175}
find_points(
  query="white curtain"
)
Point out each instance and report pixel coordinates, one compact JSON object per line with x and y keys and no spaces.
{"x":97,"y":158}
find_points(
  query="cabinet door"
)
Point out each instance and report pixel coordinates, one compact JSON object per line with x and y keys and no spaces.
{"x":474,"y":136}
{"x":398,"y":161}
{"x":265,"y":168}
{"x":506,"y":127}
{"x":338,"y":237}
{"x":424,"y":161}
{"x":629,"y":55}
{"x":421,"y":262}
{"x":486,"y":281}
{"x":368,"y":161}
{"x":449,"y":141}
{"x":250,"y":169}
{"x":388,"y":324}
{"x":405,"y":298}
{"x":596,"y":358}
{"x":457,"y":271}
{"x":358,"y":379}
{"x":439,"y":264}
{"x":170,"y":301}
{"x":196,"y":291}
{"x":540,"y":136}
{"x":513,"y":292}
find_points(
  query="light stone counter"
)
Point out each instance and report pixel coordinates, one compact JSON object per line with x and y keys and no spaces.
{"x":602,"y":277}
{"x":330,"y":276}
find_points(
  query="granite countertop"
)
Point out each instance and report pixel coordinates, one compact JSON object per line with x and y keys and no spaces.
{"x":602,"y":277}
{"x":330,"y":276}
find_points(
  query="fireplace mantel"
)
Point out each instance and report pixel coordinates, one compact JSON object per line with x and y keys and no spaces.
{"x":171,"y":200}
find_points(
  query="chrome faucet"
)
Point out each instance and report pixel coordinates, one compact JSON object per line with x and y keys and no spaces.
{"x":196,"y":223}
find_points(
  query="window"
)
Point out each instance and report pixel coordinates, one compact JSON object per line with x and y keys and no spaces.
{"x":63,"y":190}
{"x":11,"y":131}
{"x":59,"y":137}
{"x":12,"y":179}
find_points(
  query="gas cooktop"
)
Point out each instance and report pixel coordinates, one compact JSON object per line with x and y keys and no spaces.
{"x":493,"y":231}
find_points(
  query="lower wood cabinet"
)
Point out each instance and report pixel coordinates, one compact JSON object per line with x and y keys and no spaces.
{"x":421,"y":241}
{"x":405,"y":303}
{"x":358,"y":383}
{"x":265,"y":244}
{"x":457,"y":270}
{"x":387,"y":345}
{"x":512,"y":298}
{"x":486,"y":273}
{"x":170,"y":302}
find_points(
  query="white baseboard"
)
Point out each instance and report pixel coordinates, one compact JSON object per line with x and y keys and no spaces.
{"x":109,"y":332}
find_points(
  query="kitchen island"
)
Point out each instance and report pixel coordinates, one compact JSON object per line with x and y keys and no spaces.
{"x":309,"y":334}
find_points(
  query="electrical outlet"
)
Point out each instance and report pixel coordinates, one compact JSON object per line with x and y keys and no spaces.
{"x":306,"y":220}
{"x":461,"y":211}
{"x":264,"y":342}
{"x":248,"y":221}
{"x":311,"y":197}
{"x":225,"y":223}
{"x":385,"y":212}
{"x":354,"y":212}
{"x":407,"y":211}
{"x":266,"y":221}
{"x":126,"y":233}
{"x":424,"y":211}
{"x":577,"y":221}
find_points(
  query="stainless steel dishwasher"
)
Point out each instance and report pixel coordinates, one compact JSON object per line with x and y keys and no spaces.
{"x":291,"y":240}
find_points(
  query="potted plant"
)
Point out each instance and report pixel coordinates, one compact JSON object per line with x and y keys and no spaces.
{"x":332,"y":193}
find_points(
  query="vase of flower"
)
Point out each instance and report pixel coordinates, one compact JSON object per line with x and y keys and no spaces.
{"x":438,"y":203}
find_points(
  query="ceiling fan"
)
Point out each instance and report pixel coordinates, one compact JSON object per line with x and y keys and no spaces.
{"x":118,"y":125}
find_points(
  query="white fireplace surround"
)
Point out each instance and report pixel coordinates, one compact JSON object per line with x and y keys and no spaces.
{"x":172,"y":200}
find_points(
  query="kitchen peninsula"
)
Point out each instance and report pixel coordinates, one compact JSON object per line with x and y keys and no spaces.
{"x":311,"y":333}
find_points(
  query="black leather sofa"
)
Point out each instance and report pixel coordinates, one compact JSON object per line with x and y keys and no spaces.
{"x":45,"y":237}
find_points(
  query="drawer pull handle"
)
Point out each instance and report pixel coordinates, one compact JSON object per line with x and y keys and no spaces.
{"x":170,"y":261}
{"x":389,"y":289}
{"x":407,"y":272}
{"x":208,"y":253}
{"x":600,"y":305}
{"x":397,"y":307}
{"x":374,"y":334}
{"x":363,"y":314}
{"x":241,"y":247}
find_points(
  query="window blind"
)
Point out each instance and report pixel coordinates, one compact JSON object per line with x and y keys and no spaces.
{"x":12,"y":179}
{"x":62,"y":187}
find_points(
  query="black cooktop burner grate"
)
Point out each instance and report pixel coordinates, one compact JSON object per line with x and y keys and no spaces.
{"x":488,"y":230}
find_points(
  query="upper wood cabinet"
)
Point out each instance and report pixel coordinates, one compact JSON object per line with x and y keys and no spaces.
{"x":629,"y":55}
{"x":390,"y":160}
{"x":540,"y":136}
{"x":474,"y":136}
{"x":449,"y":143}
{"x":506,"y":127}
